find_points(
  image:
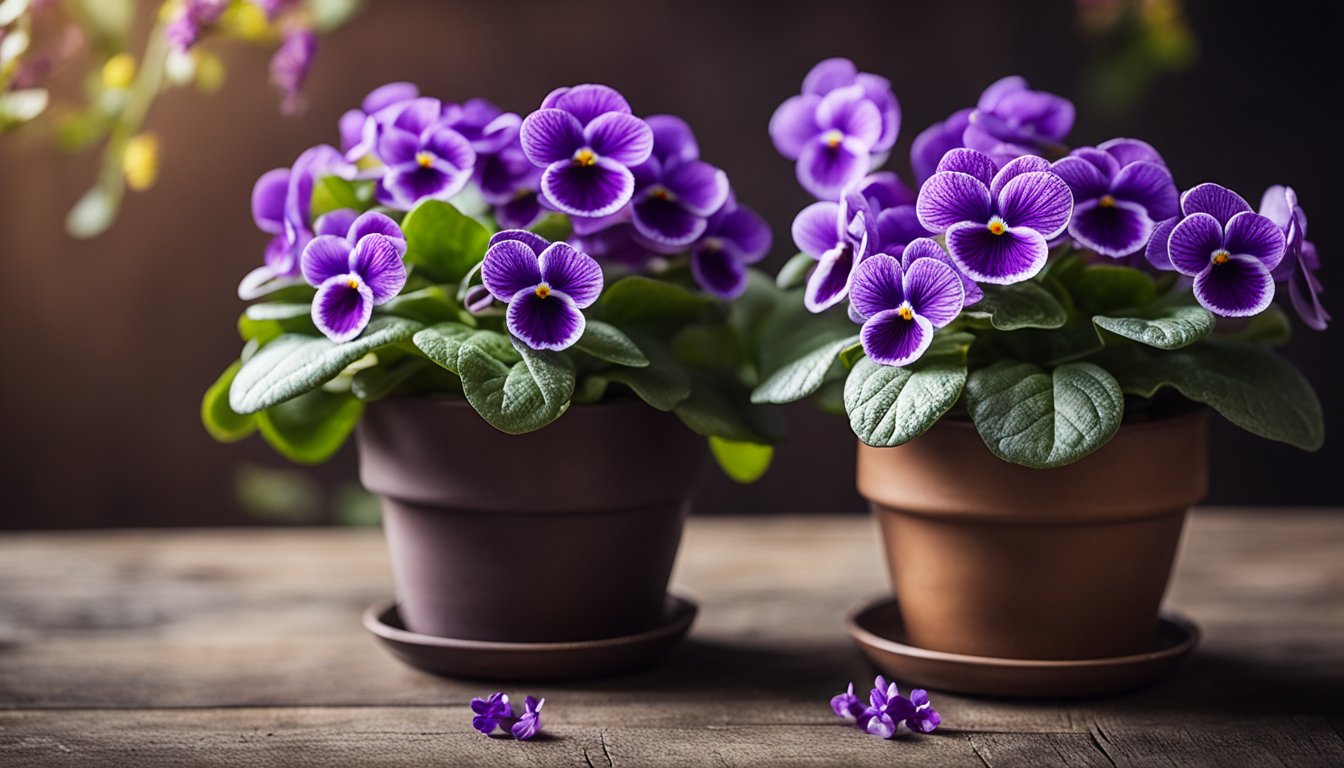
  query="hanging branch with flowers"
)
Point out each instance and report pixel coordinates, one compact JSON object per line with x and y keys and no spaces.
{"x":1046,"y":300}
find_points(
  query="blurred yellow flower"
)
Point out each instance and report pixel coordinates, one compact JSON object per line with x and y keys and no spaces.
{"x":140,"y":161}
{"x":119,"y":71}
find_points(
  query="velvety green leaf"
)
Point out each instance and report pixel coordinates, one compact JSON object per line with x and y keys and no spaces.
{"x":381,"y":380}
{"x":1101,"y":289}
{"x":1249,"y":385}
{"x":1271,"y":328}
{"x":606,"y":342}
{"x":332,"y":193}
{"x":801,"y":377}
{"x":741,"y":462}
{"x":794,"y":272}
{"x":662,"y":383}
{"x":713,"y":410}
{"x":889,"y":406}
{"x":1162,"y":327}
{"x":310,"y":428}
{"x":1020,"y":305}
{"x":219,"y":419}
{"x":517,"y":398}
{"x":644,"y":302}
{"x":442,"y":241}
{"x":851,"y":355}
{"x":442,"y":342}
{"x":294,"y":364}
{"x":590,"y":389}
{"x":1044,"y":419}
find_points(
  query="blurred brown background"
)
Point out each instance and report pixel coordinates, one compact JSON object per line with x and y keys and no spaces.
{"x":110,"y":343}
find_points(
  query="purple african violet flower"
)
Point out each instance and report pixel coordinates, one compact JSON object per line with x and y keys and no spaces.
{"x":1230,"y":250}
{"x":734,"y":237}
{"x":360,"y":127}
{"x":1300,"y":260}
{"x":887,"y":709}
{"x":353,"y":274}
{"x":616,"y":244}
{"x":998,"y":221}
{"x":490,"y":712}
{"x":290,"y":64}
{"x":529,"y":724}
{"x":586,"y":139}
{"x":892,"y":205}
{"x":928,"y":248}
{"x":425,"y":158}
{"x":839,"y":236}
{"x":901,"y":306}
{"x":937,"y":140}
{"x":675,"y":192}
{"x":512,"y":185}
{"x":545,"y":285}
{"x":838,"y":128}
{"x":1120,"y":190}
{"x":847,"y":705}
{"x":1011,"y":120}
{"x":191,"y":20}
{"x":925,"y":718}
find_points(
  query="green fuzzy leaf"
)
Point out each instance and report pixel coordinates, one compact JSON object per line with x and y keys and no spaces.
{"x":1101,"y":289}
{"x":1249,"y":385}
{"x":219,"y":419}
{"x":554,"y":227}
{"x":802,"y":376}
{"x":1163,"y":327}
{"x":663,"y":383}
{"x":310,"y":428}
{"x":741,"y":462}
{"x":293,"y":364}
{"x":889,"y":406}
{"x":591,"y":389}
{"x":644,"y":302}
{"x":1020,"y":305}
{"x":715,"y":410}
{"x":380,"y":381}
{"x":442,"y":342}
{"x":1044,"y":420}
{"x":442,"y":241}
{"x":794,"y":272}
{"x":851,"y":355}
{"x":332,"y":193}
{"x":606,"y":342}
{"x":517,"y":398}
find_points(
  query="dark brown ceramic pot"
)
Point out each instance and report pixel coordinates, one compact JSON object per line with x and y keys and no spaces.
{"x":568,"y":533}
{"x":989,"y":558}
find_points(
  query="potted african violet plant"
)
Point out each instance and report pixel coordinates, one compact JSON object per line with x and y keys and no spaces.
{"x":1026,"y":345}
{"x":527,"y":323}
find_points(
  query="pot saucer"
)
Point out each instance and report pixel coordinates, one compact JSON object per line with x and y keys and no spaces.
{"x":483,"y":659}
{"x":877,"y":628}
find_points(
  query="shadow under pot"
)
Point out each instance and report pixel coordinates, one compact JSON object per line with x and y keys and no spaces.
{"x":989,"y":558}
{"x":565,"y":534}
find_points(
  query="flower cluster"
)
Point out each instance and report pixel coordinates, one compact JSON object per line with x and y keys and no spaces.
{"x":495,"y":711}
{"x":997,"y":207}
{"x":887,"y":709}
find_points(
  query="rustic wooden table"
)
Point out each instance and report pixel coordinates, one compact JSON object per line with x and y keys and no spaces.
{"x":244,"y":647}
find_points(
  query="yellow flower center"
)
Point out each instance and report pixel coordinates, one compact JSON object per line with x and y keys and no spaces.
{"x":832,"y":138}
{"x":543,"y":291}
{"x":1106,"y":201}
{"x":906,"y":313}
{"x":353,"y":283}
{"x":712,"y":244}
{"x":662,"y":193}
{"x":996,"y":226}
{"x":585,"y":157}
{"x":424,"y":159}
{"x":1221,"y":256}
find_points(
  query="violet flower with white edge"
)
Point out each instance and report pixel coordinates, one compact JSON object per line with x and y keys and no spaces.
{"x":586,"y":139}
{"x":1300,"y":260}
{"x":616,"y":244}
{"x":511,"y":184}
{"x":1011,"y":120}
{"x":425,"y":158}
{"x":545,"y":285}
{"x":928,"y":248}
{"x":892,"y":204}
{"x":675,"y":192}
{"x":529,"y":723}
{"x":839,"y":236}
{"x":887,"y":709}
{"x":847,"y":705}
{"x":1121,"y":189}
{"x":490,"y":712}
{"x":734,"y":237}
{"x":998,"y":221}
{"x":902,"y":306}
{"x":360,"y":127}
{"x":925,"y":718}
{"x":836,"y":133}
{"x":354,"y":273}
{"x":1230,"y":251}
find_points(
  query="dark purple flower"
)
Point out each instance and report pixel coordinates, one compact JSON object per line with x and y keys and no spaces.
{"x":1011,"y":120}
{"x":839,"y":236}
{"x":901,"y":307}
{"x":512,"y":185}
{"x":529,"y":724}
{"x":360,"y":127}
{"x":887,"y":709}
{"x":545,"y":285}
{"x":892,"y":206}
{"x":675,"y":192}
{"x":354,"y":273}
{"x":937,"y":140}
{"x":425,"y":158}
{"x":734,"y":237}
{"x":587,"y":140}
{"x":928,"y":248}
{"x":1230,"y":250}
{"x":847,"y":705}
{"x":838,"y":128}
{"x":617,"y":244}
{"x":998,"y":220}
{"x":925,"y":718}
{"x":290,"y":65}
{"x":490,"y":712}
{"x":192,"y":18}
{"x":485,"y":125}
{"x":1300,"y":260}
{"x":1121,"y":189}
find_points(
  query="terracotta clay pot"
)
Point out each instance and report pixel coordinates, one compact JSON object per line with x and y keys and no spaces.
{"x":989,"y":558}
{"x":564,"y":534}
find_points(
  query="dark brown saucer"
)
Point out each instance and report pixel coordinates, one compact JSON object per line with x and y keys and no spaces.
{"x":876,"y":627}
{"x":485,"y":660}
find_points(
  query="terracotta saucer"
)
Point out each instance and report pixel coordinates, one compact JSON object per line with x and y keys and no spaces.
{"x":877,"y":628}
{"x":482,"y":659}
